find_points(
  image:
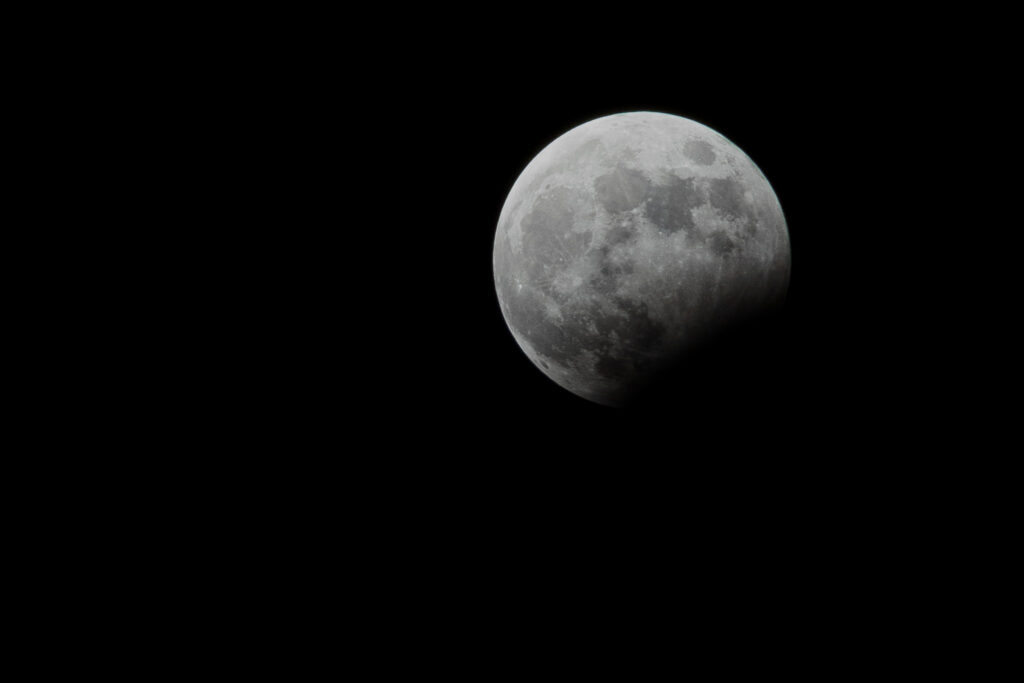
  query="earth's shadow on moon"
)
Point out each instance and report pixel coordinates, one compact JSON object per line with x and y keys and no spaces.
{"x":744,"y":369}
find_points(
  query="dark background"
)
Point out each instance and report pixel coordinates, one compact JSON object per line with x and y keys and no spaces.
{"x":344,"y":413}
{"x":391,"y":348}
{"x":809,"y":453}
{"x":373,"y":349}
{"x":830,"y":134}
{"x":365,"y":299}
{"x":386,"y":170}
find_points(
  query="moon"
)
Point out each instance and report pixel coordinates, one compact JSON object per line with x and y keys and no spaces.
{"x":629,"y":240}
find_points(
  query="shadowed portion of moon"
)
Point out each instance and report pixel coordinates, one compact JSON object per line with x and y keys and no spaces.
{"x":628,"y":242}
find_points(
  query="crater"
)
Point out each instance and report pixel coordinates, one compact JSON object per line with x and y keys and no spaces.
{"x":526,"y":315}
{"x":639,"y":334}
{"x":726,"y":195}
{"x":549,"y":242}
{"x":644,"y":332}
{"x":669,"y":206}
{"x":610,"y":367}
{"x":622,"y":189}
{"x":606,"y":280}
{"x":621,"y":234}
{"x":720,"y":243}
{"x":700,"y":152}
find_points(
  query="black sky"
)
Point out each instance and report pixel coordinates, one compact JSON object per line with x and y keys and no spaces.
{"x":398,"y":162}
{"x":824,"y":139}
{"x":352,"y":403}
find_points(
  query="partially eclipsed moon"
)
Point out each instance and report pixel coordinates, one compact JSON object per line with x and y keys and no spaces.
{"x":629,"y":239}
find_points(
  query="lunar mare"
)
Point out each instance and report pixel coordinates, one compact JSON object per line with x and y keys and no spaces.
{"x":627,"y":241}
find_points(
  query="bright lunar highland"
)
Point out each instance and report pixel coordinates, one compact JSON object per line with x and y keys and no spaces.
{"x":629,"y":240}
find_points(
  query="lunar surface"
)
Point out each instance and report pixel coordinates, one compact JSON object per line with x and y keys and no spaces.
{"x":629,"y":240}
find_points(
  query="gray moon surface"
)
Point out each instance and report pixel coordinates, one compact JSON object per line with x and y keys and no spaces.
{"x":628,"y":241}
